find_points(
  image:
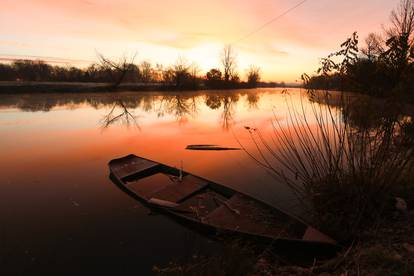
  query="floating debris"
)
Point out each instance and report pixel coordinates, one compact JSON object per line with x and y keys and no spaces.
{"x":209,"y":147}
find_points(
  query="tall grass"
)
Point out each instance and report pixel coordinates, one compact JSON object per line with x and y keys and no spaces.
{"x":341,"y":157}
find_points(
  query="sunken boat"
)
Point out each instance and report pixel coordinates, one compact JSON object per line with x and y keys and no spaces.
{"x":214,"y":207}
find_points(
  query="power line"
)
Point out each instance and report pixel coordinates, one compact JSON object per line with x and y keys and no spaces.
{"x":270,"y":22}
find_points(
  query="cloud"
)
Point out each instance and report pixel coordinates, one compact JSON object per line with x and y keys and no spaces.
{"x":10,"y":43}
{"x":52,"y":60}
{"x":178,"y":40}
{"x":268,"y":48}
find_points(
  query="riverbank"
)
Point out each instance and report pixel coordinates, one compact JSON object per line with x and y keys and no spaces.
{"x":10,"y":87}
{"x":385,"y":250}
{"x":74,"y":87}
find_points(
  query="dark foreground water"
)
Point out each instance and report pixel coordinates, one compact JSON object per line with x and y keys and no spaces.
{"x":59,"y":211}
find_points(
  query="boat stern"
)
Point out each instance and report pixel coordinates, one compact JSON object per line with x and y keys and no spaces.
{"x":312,"y":234}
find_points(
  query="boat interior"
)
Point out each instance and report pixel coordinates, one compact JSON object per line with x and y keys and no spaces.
{"x":201,"y":200}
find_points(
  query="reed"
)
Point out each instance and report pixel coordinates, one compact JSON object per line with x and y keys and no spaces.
{"x":342,"y":164}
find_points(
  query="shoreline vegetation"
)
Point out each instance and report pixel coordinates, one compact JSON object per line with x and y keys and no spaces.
{"x":382,"y":67}
{"x":125,"y":75}
{"x":21,"y":87}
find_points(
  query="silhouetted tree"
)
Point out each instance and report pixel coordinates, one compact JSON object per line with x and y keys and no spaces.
{"x":402,"y":21}
{"x":348,"y":55}
{"x":181,"y":73}
{"x":32,"y":70}
{"x":7,"y":73}
{"x":213,"y":78}
{"x":235,"y":79}
{"x":168,"y":76}
{"x":382,"y":67}
{"x":117,"y":69}
{"x":229,"y":63}
{"x":253,"y":76}
{"x":400,"y":38}
{"x":373,"y":46}
{"x":146,"y":72}
{"x":194,"y":71}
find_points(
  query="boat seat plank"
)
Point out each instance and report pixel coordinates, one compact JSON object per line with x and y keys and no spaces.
{"x":133,"y":166}
{"x":180,"y":190}
{"x":148,"y":186}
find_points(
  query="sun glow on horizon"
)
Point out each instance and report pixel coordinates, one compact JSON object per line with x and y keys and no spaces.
{"x":161,"y":31}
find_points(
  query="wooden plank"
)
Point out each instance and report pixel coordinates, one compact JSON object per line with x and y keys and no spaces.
{"x":132,"y":166}
{"x":201,"y":204}
{"x":148,"y":186}
{"x":180,"y":190}
{"x":246,"y":215}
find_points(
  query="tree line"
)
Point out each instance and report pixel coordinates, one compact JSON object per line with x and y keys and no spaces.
{"x":383,"y":66}
{"x":182,"y":74}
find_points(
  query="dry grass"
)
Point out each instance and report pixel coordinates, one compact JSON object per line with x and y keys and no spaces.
{"x":342,"y":165}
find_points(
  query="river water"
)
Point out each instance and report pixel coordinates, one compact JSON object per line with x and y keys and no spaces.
{"x":61,"y":212}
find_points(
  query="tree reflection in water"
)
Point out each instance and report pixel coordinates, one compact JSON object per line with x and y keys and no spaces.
{"x":226,"y":101}
{"x":119,"y":114}
{"x":253,"y":101}
{"x":181,"y":105}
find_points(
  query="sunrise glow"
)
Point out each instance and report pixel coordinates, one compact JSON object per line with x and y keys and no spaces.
{"x":160,"y":31}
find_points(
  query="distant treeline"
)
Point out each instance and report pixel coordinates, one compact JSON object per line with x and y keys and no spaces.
{"x":181,"y":75}
{"x":383,"y":66}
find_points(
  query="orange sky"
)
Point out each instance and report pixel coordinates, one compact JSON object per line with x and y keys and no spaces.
{"x":162,"y":30}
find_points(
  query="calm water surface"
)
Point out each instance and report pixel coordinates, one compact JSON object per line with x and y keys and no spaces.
{"x":59,"y":211}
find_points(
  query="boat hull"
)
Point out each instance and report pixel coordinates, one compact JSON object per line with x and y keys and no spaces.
{"x":215,"y":208}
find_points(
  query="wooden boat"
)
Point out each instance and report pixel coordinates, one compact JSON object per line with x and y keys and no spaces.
{"x":213,"y":206}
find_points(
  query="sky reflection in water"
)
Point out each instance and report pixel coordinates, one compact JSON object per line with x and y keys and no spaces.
{"x":57,"y":201}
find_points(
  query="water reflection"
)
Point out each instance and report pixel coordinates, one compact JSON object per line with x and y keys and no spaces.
{"x":178,"y":105}
{"x":124,"y":116}
{"x":226,"y":103}
{"x":126,"y":109}
{"x":182,"y":106}
{"x":56,"y":139}
{"x":364,"y":112}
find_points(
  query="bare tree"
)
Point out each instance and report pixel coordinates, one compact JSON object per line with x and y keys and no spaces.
{"x":373,"y":46}
{"x":158,"y":72}
{"x":194,"y":72}
{"x":181,"y":72}
{"x":117,"y":69}
{"x":168,"y":76}
{"x":229,"y":62}
{"x":402,"y":20}
{"x":400,"y":41}
{"x":253,"y":76}
{"x":146,"y":72}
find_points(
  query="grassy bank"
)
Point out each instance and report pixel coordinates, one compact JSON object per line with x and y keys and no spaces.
{"x":73,"y":87}
{"x":11,"y":87}
{"x":386,"y":250}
